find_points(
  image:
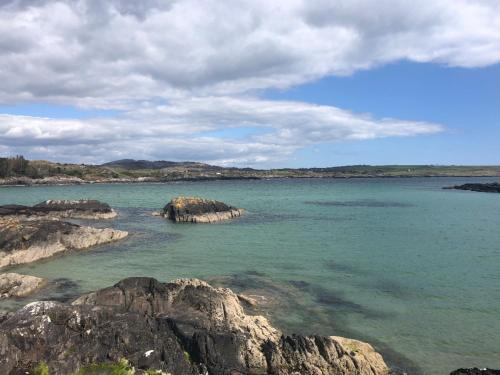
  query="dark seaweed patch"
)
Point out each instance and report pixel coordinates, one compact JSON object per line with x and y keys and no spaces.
{"x":62,"y":290}
{"x":340,"y":267}
{"x":300,"y":284}
{"x":360,"y":203}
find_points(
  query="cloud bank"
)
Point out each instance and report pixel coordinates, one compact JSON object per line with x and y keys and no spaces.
{"x":180,"y":68}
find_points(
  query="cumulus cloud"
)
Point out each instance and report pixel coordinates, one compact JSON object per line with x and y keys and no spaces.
{"x":207,"y":60}
{"x":105,"y":53}
{"x":181,"y":131}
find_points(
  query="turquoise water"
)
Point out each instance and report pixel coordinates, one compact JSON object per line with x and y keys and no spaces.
{"x":401,"y":263}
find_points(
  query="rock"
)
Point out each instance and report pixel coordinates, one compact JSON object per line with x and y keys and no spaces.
{"x":184,"y":327}
{"x":475,"y":371}
{"x":16,"y":285}
{"x":24,"y":241}
{"x":485,"y":188}
{"x":75,"y":209}
{"x":199,"y":210}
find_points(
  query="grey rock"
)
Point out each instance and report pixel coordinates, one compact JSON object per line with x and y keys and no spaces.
{"x":184,"y":327}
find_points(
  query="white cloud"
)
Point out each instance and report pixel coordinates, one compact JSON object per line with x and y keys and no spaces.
{"x":107,"y":53}
{"x":208,"y":59}
{"x":179,"y":131}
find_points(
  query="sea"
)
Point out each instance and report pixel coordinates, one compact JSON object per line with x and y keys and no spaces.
{"x":398,"y":262}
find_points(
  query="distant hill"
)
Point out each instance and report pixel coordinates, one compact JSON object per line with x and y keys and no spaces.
{"x":17,"y":171}
{"x":132,"y":164}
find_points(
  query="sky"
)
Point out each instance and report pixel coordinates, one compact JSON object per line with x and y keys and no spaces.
{"x":264,"y":84}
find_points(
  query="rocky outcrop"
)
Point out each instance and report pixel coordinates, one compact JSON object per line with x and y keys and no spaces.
{"x":75,"y":209}
{"x":184,"y":327}
{"x":199,"y":210}
{"x":485,"y":188}
{"x":24,"y":241}
{"x":16,"y":285}
{"x":475,"y":371}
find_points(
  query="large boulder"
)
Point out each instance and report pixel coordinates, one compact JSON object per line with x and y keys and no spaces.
{"x":75,"y":209}
{"x":184,"y":327}
{"x":199,"y":210}
{"x":24,"y":241}
{"x":16,"y":285}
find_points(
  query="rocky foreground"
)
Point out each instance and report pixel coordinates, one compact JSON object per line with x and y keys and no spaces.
{"x":199,"y":210}
{"x":183,"y":327}
{"x":484,"y":188}
{"x":74,"y":209}
{"x":24,"y":241}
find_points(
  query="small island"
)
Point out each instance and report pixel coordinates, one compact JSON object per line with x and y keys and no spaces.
{"x":72,"y":209}
{"x":492,"y":187}
{"x":199,"y":210}
{"x":31,"y":233}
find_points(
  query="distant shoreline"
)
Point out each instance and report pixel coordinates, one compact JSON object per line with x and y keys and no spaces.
{"x":18,"y":171}
{"x":35,"y":182}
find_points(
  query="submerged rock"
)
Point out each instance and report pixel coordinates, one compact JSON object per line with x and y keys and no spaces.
{"x":199,"y":210}
{"x":184,"y":327}
{"x":485,"y":188}
{"x":16,"y":285}
{"x":75,"y":209}
{"x":24,"y":241}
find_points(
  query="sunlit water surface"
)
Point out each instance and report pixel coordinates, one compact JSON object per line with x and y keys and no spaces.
{"x":401,"y":263}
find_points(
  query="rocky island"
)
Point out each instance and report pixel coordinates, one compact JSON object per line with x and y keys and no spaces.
{"x":30,"y":233}
{"x":492,"y":187}
{"x":186,"y":327}
{"x":199,"y":210}
{"x":24,"y":241}
{"x":74,"y":209}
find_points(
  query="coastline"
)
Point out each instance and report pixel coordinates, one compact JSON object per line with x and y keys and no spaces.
{"x":36,"y":182}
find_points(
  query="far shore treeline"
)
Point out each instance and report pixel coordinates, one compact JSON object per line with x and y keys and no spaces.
{"x":19,"y":170}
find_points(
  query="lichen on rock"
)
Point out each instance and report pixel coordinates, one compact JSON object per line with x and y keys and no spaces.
{"x":199,"y":210}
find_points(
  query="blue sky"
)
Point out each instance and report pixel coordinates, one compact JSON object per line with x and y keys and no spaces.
{"x":465,"y":101}
{"x":262,"y":84}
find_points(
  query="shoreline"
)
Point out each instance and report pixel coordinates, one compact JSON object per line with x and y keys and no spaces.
{"x":209,"y":179}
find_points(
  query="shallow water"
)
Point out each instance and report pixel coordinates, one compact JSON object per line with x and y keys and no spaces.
{"x":401,"y":263}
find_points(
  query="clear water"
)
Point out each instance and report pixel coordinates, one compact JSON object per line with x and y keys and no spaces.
{"x":401,"y":263}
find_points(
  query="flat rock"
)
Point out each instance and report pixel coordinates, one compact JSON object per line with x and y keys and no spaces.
{"x":183,"y":327}
{"x":24,"y":241}
{"x":199,"y":210}
{"x":16,"y":285}
{"x":485,"y":188}
{"x":75,"y":209}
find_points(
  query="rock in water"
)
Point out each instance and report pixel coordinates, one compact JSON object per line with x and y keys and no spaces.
{"x":16,"y":285}
{"x":30,"y":240}
{"x":199,"y":210}
{"x":475,"y":371}
{"x":185,"y":327}
{"x":75,"y":209}
{"x":484,"y":188}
